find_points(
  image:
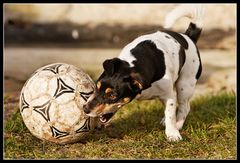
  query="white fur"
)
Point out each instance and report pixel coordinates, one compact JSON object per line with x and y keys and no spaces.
{"x":194,"y":12}
{"x":126,"y":55}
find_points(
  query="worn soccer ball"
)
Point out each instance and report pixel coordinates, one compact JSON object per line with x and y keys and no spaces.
{"x":51,"y":103}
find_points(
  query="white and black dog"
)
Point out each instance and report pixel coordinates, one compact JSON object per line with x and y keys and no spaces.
{"x":164,"y":65}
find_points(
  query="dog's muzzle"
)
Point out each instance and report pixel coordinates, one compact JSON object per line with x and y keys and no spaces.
{"x":103,"y":116}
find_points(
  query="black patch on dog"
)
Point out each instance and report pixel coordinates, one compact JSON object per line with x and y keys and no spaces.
{"x":111,"y":65}
{"x":182,"y":41}
{"x":182,"y":58}
{"x":199,"y":72}
{"x":149,"y":62}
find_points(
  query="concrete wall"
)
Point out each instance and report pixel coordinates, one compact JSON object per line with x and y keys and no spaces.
{"x":217,"y":15}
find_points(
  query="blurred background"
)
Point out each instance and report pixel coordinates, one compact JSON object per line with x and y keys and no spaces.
{"x":86,"y":34}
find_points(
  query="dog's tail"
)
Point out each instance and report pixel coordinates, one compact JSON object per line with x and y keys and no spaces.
{"x":194,"y":12}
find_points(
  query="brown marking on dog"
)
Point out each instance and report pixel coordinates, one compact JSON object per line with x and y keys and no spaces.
{"x":100,"y":107}
{"x":105,"y":107}
{"x":138,"y":84}
{"x":108,"y":90}
{"x":99,"y":85}
{"x":126,"y":99}
{"x":136,"y":77}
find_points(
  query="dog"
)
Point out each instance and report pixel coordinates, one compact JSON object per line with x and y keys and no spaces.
{"x":164,"y":65}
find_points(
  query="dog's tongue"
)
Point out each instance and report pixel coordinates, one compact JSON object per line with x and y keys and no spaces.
{"x":105,"y":117}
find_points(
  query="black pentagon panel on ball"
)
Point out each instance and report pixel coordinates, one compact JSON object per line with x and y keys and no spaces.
{"x":57,"y":133}
{"x":24,"y":103}
{"x":85,"y":127}
{"x":85,"y":95}
{"x":43,"y":110}
{"x":62,"y":87}
{"x":54,"y":68}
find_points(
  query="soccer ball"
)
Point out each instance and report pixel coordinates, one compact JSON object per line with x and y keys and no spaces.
{"x":51,"y":103}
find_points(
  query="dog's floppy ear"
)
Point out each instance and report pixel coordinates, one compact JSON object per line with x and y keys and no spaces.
{"x":110,"y":65}
{"x":137,"y":82}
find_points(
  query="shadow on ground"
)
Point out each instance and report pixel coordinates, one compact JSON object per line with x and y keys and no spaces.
{"x":205,"y":111}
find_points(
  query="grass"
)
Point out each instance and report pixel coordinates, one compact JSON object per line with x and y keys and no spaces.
{"x":135,"y":133}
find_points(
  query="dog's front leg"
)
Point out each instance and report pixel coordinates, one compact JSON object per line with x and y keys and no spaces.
{"x":171,"y":130}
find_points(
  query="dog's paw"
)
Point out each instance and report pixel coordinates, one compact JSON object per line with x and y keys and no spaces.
{"x":179,"y":124}
{"x":173,"y":135}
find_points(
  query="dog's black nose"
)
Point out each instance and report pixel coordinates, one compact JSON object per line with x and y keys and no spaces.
{"x":85,"y":109}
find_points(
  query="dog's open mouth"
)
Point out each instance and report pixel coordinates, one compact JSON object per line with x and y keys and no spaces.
{"x":105,"y":117}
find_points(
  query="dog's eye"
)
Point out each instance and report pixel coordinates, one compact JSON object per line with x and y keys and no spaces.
{"x":111,"y":95}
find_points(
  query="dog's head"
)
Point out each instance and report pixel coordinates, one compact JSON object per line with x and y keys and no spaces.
{"x":117,"y":86}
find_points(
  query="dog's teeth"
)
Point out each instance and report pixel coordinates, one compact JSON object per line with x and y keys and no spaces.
{"x":102,"y":119}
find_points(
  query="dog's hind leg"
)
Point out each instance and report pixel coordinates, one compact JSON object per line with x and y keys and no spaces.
{"x":185,"y":90}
